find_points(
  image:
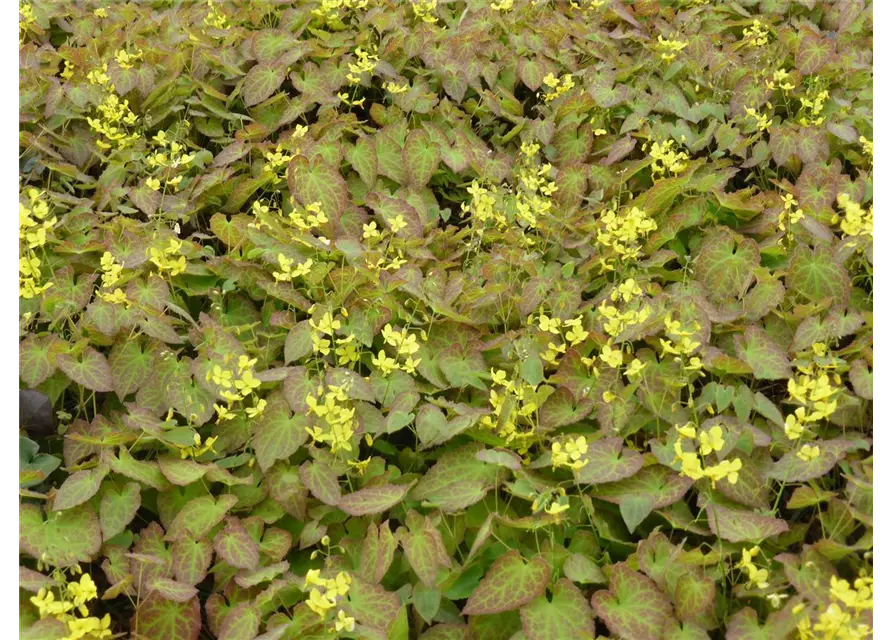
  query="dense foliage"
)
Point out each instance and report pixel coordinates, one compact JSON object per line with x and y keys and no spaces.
{"x":458,"y":319}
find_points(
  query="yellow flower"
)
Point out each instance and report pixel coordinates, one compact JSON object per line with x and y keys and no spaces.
{"x":223,"y":413}
{"x":318,"y":603}
{"x":808,"y":453}
{"x":687,"y":431}
{"x":612,"y":357}
{"x":253,"y":412}
{"x":153,"y":183}
{"x":345,"y":622}
{"x":371,"y":231}
{"x":384,"y":363}
{"x":634,"y":368}
{"x":711,"y":440}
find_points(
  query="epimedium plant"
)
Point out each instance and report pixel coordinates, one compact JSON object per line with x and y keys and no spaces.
{"x":446,"y":319}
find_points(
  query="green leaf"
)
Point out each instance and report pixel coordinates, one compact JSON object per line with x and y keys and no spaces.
{"x":65,"y":537}
{"x":783,"y":143}
{"x":790,"y":468}
{"x":862,"y":379}
{"x":695,"y":596}
{"x":235,"y":546}
{"x":315,"y":181}
{"x":79,"y":487}
{"x":182,"y":472}
{"x":742,"y":525}
{"x":434,"y":429}
{"x":145,"y":472}
{"x":634,"y":608}
{"x":566,"y":616}
{"x":248,"y":579}
{"x":160,"y":618}
{"x":608,"y":461}
{"x":814,"y":53}
{"x":373,"y":605}
{"x":373,"y":499}
{"x":634,"y":508}
{"x":37,"y":358}
{"x":458,"y":480}
{"x":299,"y":342}
{"x":424,"y":548}
{"x":91,"y":370}
{"x":364,"y":160}
{"x":261,"y":82}
{"x":192,"y":559}
{"x":561,"y":409}
{"x":129,"y":366}
{"x":464,"y":369}
{"x":377,"y":554}
{"x":199,"y":516}
{"x":277,"y":433}
{"x":510,"y":583}
{"x":421,"y":157}
{"x":817,"y":275}
{"x":725,"y":264}
{"x":426,"y":602}
{"x":322,"y":482}
{"x":761,"y":353}
{"x":173,"y":590}
{"x":118,"y":508}
{"x":660,"y":484}
{"x":582,"y":569}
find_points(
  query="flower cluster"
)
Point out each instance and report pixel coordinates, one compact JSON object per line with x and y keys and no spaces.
{"x":392,"y":257}
{"x":763,"y":120}
{"x":781,"y":79}
{"x":366,"y":61}
{"x":331,"y":9}
{"x":840,"y":619}
{"x":557,"y":86}
{"x":670,"y":48}
{"x":855,"y":221}
{"x":215,"y":18}
{"x":113,"y":121}
{"x":706,"y":442}
{"x":34,"y":222}
{"x":325,"y":594}
{"x":666,"y":158}
{"x":555,"y":502}
{"x":812,"y":105}
{"x":288,"y":270}
{"x":331,"y":404}
{"x":111,"y":274}
{"x":532,"y":198}
{"x":573,"y":335}
{"x":164,"y":258}
{"x":636,"y":310}
{"x":756,"y":577}
{"x":71,"y":606}
{"x":169,"y":157}
{"x":276,"y":164}
{"x":867,"y":146}
{"x":588,"y":5}
{"x":327,"y":326}
{"x":395,"y":87}
{"x":569,"y":453}
{"x":424,"y":10}
{"x":482,"y":207}
{"x":815,"y":389}
{"x":406,"y":344}
{"x":790,"y":215}
{"x":502,"y":5}
{"x":680,"y":345}
{"x":622,"y":232}
{"x":514,"y":410}
{"x":125,"y":59}
{"x":756,"y":35}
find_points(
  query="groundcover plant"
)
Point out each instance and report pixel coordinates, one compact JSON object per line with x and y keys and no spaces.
{"x":446,"y":320}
